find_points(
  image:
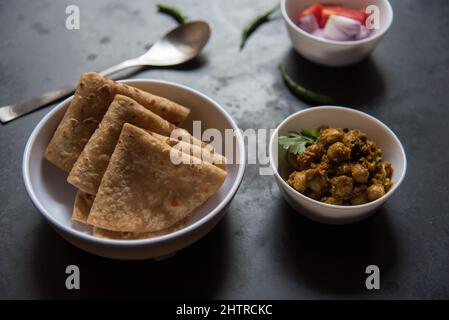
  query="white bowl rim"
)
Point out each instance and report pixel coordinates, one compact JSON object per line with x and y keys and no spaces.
{"x":342,"y":43}
{"x":348,"y":208}
{"x":142,"y":242}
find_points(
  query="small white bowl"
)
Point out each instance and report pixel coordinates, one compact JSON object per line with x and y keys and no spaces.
{"x":328,"y":52}
{"x":337,"y":117}
{"x":54,"y":197}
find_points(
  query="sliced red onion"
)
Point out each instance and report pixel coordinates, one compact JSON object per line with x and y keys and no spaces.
{"x":363,"y":34}
{"x":308,"y":23}
{"x":341,"y":28}
{"x":318,"y":33}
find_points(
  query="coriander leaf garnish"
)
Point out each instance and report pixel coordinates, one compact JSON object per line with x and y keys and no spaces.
{"x":297,"y":142}
{"x":172,"y":11}
{"x":310,"y":133}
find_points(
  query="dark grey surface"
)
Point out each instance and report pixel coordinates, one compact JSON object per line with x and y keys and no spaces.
{"x":262,"y":249}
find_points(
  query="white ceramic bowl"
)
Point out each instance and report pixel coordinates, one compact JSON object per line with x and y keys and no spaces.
{"x":338,"y":117}
{"x":328,"y":52}
{"x":54,"y":197}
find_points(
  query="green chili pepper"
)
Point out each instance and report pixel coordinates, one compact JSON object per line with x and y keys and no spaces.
{"x":255,"y":23}
{"x":174,"y":12}
{"x":301,"y":92}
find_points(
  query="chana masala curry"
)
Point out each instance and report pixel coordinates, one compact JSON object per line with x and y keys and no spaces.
{"x":337,"y":166}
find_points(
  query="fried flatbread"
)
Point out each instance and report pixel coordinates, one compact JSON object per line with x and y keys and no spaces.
{"x":82,"y":206}
{"x":206,"y":153}
{"x":90,"y":166}
{"x":92,"y":98}
{"x":143,"y":191}
{"x":81,"y":210}
{"x":117,"y":235}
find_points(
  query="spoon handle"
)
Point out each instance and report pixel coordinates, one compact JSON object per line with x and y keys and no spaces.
{"x":119,"y":67}
{"x":14,"y":111}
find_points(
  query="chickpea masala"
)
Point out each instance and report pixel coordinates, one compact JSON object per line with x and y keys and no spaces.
{"x":337,"y":166}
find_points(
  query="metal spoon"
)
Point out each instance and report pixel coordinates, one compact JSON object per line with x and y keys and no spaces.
{"x":178,"y":46}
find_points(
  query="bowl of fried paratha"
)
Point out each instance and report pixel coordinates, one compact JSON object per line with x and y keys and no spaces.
{"x":134,"y":169}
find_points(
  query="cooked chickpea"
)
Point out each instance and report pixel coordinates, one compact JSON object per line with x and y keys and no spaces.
{"x":388,"y":168}
{"x":359,"y":199}
{"x":359,"y":173}
{"x":343,"y":167}
{"x":353,"y":137}
{"x":375,"y":191}
{"x":332,"y":200}
{"x":330,"y":136}
{"x":316,"y":180}
{"x":342,"y":187}
{"x":338,"y":152}
{"x":298,"y":180}
{"x":313,"y":153}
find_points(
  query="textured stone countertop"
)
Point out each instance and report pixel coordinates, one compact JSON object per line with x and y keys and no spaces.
{"x":262,"y":248}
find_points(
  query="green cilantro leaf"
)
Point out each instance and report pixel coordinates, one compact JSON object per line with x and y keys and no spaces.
{"x":297,"y":142}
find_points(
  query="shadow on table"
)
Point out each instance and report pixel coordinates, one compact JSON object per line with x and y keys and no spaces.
{"x":352,"y":86}
{"x":333,"y":259}
{"x":195,"y":272}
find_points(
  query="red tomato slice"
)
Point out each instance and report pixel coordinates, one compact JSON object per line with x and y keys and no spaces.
{"x":315,"y":9}
{"x":341,"y":11}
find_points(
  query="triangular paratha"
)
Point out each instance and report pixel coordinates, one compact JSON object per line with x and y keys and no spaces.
{"x":92,"y":98}
{"x":142,"y":190}
{"x":90,"y":166}
{"x":81,"y":207}
{"x":81,"y":210}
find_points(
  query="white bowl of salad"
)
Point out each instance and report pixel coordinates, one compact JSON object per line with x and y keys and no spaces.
{"x":336,"y":33}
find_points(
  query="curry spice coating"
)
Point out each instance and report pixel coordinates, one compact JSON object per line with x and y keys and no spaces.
{"x":344,"y":167}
